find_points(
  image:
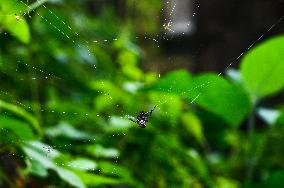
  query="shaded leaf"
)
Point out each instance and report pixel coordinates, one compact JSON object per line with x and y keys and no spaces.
{"x":210,"y":91}
{"x":66,"y":130}
{"x":100,"y":151}
{"x":83,"y":164}
{"x":70,"y":177}
{"x":20,"y":128}
{"x":193,"y":126}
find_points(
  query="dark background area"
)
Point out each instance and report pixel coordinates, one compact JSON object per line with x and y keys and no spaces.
{"x":224,"y":29}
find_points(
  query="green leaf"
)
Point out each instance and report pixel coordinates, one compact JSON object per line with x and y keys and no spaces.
{"x":220,"y":97}
{"x":13,"y":21}
{"x":100,"y":151}
{"x":198,"y":163}
{"x":39,"y":156}
{"x":118,"y":124}
{"x":70,"y":177}
{"x":83,"y":164}
{"x":262,"y":68}
{"x":21,"y":113}
{"x":175,"y":82}
{"x":280,"y":119}
{"x":66,"y":130}
{"x":210,"y":91}
{"x":193,"y":126}
{"x":18,"y":28}
{"x":275,"y":180}
{"x":36,"y":168}
{"x":19,"y":128}
{"x":97,"y":180}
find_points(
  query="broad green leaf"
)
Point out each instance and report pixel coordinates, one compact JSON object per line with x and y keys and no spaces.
{"x":111,"y":169}
{"x":170,"y":106}
{"x":66,"y":130}
{"x":70,"y":177}
{"x":223,"y":182}
{"x":175,"y":82}
{"x":118,"y":124}
{"x":220,"y":97}
{"x":100,"y":151}
{"x":36,"y":168}
{"x":18,"y":28}
{"x":13,"y":21}
{"x":97,"y":180}
{"x":280,"y":119}
{"x":21,"y":113}
{"x":193,"y":126}
{"x":44,"y":149}
{"x":20,"y":128}
{"x":39,"y":156}
{"x":262,"y":68}
{"x":275,"y":179}
{"x":198,"y":163}
{"x":210,"y":91}
{"x":83,"y":164}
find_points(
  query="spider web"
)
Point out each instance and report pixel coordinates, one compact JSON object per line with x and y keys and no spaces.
{"x":70,"y":34}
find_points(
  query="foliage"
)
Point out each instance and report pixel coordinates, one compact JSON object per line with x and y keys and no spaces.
{"x":63,"y":100}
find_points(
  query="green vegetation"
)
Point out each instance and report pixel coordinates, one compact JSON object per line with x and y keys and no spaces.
{"x":63,"y":103}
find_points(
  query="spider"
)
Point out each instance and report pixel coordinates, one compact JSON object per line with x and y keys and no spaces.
{"x":142,"y":118}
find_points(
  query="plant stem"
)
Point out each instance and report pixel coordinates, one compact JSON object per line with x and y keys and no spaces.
{"x":35,"y":5}
{"x":251,"y":161}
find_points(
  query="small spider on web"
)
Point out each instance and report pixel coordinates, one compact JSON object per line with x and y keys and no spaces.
{"x":142,"y":118}
{"x":47,"y":149}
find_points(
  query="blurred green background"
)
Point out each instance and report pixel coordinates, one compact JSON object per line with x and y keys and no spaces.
{"x":71,"y":71}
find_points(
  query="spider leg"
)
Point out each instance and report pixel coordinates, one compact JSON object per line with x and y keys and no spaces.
{"x":151,"y":111}
{"x":132,"y":119}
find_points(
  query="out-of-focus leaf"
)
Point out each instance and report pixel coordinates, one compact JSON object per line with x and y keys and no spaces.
{"x":198,"y":163}
{"x":118,"y":124}
{"x":18,"y":28}
{"x":13,"y":21}
{"x":39,"y":156}
{"x":132,"y":87}
{"x":97,"y":180}
{"x":100,"y":151}
{"x":223,"y":182}
{"x":20,"y":128}
{"x":262,"y":68}
{"x":44,"y":148}
{"x":110,"y":168}
{"x":235,"y":75}
{"x":178,"y":82}
{"x":193,"y":126}
{"x":280,"y":119}
{"x":111,"y":94}
{"x":210,"y":91}
{"x":275,"y":180}
{"x":268,"y":115}
{"x":169,"y":106}
{"x":128,"y":57}
{"x":22,"y":113}
{"x":70,"y":177}
{"x":217,"y":95}
{"x":36,"y":168}
{"x":83,"y":164}
{"x":66,"y":130}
